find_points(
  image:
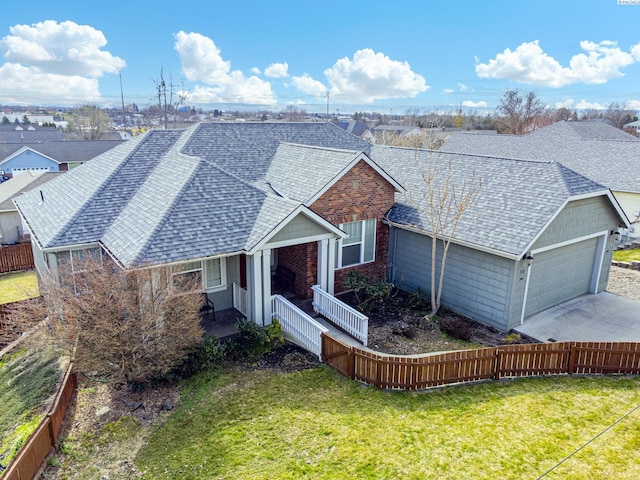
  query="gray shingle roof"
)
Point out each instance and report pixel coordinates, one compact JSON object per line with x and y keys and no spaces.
{"x":180,"y":194}
{"x":515,"y":202}
{"x":593,"y":149}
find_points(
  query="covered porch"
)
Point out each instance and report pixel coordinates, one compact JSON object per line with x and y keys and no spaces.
{"x":303,"y":320}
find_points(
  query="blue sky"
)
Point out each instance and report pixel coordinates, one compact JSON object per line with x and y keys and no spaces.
{"x":372,"y":56}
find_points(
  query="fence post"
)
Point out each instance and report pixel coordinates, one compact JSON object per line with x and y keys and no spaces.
{"x":351,"y":361}
{"x":496,"y":368}
{"x":572,"y":359}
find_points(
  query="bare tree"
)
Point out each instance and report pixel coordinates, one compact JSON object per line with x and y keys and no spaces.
{"x":125,"y":326}
{"x":89,"y":122}
{"x":618,"y":115}
{"x":427,"y":138}
{"x":442,"y":201}
{"x":170,"y":98}
{"x":519,"y":112}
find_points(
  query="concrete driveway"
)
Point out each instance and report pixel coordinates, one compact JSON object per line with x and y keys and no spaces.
{"x":603,"y":317}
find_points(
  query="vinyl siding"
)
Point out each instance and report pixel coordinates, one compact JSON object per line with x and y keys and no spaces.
{"x":476,"y":284}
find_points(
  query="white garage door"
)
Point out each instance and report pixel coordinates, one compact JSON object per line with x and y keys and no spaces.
{"x":17,"y":171}
{"x":561,"y":274}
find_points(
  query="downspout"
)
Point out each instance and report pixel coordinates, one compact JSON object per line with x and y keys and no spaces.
{"x":529,"y":259}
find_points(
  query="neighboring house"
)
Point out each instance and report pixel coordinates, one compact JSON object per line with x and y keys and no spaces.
{"x":537,"y":235}
{"x":12,"y":229}
{"x":230,"y":204}
{"x":357,"y":128}
{"x":226,"y":203}
{"x":596,"y":150}
{"x":52,"y":156}
{"x":632,"y":126}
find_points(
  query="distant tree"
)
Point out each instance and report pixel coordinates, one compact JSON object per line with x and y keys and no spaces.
{"x":618,"y":115}
{"x":591,"y":114}
{"x":519,"y":112}
{"x":429,"y":139}
{"x":170,"y":98}
{"x":563,"y":113}
{"x":123,"y":326}
{"x":5,"y":120}
{"x":89,"y":122}
{"x":25,"y":120}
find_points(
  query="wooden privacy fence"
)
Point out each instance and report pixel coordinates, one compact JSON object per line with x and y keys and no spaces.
{"x":16,"y":257}
{"x":32,"y":455}
{"x":416,"y":372}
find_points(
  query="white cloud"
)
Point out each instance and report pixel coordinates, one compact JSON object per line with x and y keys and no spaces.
{"x":277,"y":70}
{"x":255,"y":71}
{"x":308,"y":85}
{"x":371,"y":76}
{"x":202,"y":62}
{"x":472,"y":104}
{"x":635,"y":51}
{"x":462,"y":87}
{"x":447,"y":90}
{"x":529,"y":64}
{"x":568,"y":103}
{"x":584,"y":105}
{"x":633,"y":105}
{"x":55,"y":61}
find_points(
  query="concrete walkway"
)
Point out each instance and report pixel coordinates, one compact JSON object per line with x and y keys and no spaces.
{"x":602,"y":317}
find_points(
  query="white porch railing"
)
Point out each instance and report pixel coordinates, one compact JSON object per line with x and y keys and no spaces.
{"x":240,"y":299}
{"x":298,"y":324}
{"x":349,"y":319}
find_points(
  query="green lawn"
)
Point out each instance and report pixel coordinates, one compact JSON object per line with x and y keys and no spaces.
{"x":18,"y":286}
{"x":28,"y":380}
{"x":626,"y":255}
{"x":317,"y":424}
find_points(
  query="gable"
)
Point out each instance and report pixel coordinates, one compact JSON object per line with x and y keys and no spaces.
{"x":361,"y":193}
{"x":301,"y":226}
{"x":28,"y":158}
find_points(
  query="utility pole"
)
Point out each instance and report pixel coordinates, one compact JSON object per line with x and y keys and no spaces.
{"x":122,"y":97}
{"x":327,"y":95}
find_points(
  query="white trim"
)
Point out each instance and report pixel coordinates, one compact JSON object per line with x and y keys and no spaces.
{"x":595,"y":273}
{"x":362,"y":244}
{"x":301,"y":209}
{"x":574,"y":198}
{"x":297,"y":241}
{"x":203,"y":273}
{"x":569,"y":242}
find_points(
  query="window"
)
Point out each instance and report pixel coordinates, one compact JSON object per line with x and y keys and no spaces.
{"x":210,"y":274}
{"x":75,"y":263}
{"x":359,"y":246}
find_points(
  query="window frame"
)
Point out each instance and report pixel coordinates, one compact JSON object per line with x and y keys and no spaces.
{"x":202,"y":269}
{"x":364,"y":245}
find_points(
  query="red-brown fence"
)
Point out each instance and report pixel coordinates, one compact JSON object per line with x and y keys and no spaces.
{"x":32,"y":455}
{"x":416,"y":372}
{"x":14,"y":258}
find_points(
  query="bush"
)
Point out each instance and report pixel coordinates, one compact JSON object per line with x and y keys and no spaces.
{"x":368,"y":293}
{"x":255,"y":340}
{"x":418,"y":300}
{"x":456,"y":328}
{"x":206,"y":354}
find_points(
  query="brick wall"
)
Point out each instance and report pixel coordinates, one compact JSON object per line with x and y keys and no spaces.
{"x":360,"y":194}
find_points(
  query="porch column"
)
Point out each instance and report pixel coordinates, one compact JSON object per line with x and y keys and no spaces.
{"x":254,"y":290}
{"x":323,"y":268}
{"x":266,"y":287}
{"x":331,"y":265}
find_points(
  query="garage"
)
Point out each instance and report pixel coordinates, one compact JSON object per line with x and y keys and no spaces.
{"x":560,"y":273}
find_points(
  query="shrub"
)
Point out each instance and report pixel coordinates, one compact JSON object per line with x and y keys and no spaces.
{"x":255,"y":340}
{"x":418,"y":300}
{"x":512,"y":338}
{"x":456,"y":328}
{"x":368,"y":293}
{"x":206,"y":354}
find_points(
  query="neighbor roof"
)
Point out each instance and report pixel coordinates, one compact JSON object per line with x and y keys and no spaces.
{"x":20,"y":184}
{"x":180,"y":194}
{"x":67,"y":151}
{"x":594,"y":149}
{"x":515,"y":202}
